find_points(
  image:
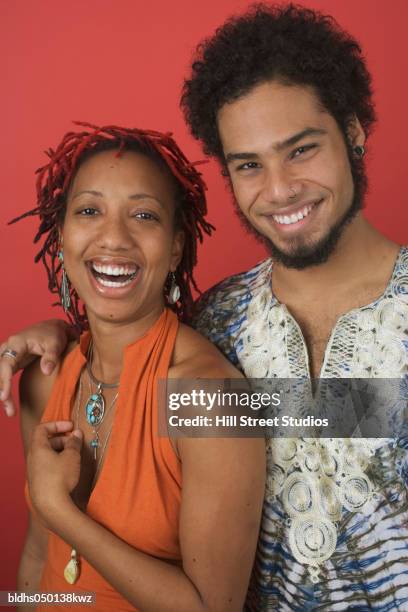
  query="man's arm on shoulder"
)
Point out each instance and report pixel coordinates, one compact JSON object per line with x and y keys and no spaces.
{"x":47,"y":340}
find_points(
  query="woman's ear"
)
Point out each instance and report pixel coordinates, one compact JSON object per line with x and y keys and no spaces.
{"x":177,"y":250}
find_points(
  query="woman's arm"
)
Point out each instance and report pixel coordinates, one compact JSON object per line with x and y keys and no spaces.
{"x":47,"y":339}
{"x":222,"y":494}
{"x":223,"y":490}
{"x":34,"y":393}
{"x":33,"y":557}
{"x":223,"y":486}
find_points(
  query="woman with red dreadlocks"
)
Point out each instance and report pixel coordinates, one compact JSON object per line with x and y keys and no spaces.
{"x":146,"y":522}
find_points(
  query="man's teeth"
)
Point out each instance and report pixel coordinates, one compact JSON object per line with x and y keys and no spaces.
{"x":114,"y":270}
{"x":293,"y":218}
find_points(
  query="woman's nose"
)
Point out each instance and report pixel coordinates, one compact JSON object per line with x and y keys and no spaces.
{"x":114,"y":234}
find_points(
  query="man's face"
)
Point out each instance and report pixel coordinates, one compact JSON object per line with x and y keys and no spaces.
{"x":290,"y":170}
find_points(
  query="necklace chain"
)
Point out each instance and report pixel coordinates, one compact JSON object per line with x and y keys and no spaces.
{"x":72,"y":569}
{"x":99,"y":384}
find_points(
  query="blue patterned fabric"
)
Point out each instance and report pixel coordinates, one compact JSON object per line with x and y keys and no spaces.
{"x":356,"y":525}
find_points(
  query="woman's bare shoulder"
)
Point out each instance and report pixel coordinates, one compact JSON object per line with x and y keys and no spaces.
{"x":195,"y":356}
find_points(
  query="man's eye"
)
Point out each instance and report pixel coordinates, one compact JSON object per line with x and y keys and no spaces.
{"x":302,"y":150}
{"x":249,"y":166}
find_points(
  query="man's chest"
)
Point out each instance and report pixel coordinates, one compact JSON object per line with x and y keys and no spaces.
{"x":331,"y":319}
{"x":364,"y":342}
{"x":316,"y":334}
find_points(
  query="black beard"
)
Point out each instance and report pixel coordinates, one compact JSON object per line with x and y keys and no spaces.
{"x":315,"y":254}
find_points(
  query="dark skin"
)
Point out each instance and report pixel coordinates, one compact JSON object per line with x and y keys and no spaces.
{"x":278,"y":143}
{"x":316,"y":319}
{"x":277,"y":177}
{"x":56,"y":510}
{"x":286,"y":155}
{"x":120,"y":213}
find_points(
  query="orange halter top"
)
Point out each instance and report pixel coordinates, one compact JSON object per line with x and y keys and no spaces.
{"x":137,"y":495}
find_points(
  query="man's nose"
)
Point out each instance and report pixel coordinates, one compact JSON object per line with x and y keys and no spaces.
{"x":279,"y":186}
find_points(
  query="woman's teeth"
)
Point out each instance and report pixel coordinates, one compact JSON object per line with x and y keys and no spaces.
{"x":114,"y":270}
{"x":113,"y":276}
{"x":293,"y":218}
{"x":108,"y":283}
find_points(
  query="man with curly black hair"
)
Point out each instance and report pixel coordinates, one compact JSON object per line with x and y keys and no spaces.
{"x":282,"y":97}
{"x":302,"y":58}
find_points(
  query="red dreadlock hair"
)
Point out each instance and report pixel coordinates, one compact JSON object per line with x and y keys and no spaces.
{"x":55,"y":178}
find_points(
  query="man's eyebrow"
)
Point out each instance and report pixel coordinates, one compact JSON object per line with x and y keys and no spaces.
{"x":230,"y":157}
{"x":289,"y":142}
{"x":279,"y":146}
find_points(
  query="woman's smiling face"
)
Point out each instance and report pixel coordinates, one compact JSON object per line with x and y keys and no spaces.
{"x":119,"y":236}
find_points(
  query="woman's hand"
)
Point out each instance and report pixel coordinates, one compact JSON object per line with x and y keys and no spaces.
{"x":53,"y":467}
{"x":47,"y":340}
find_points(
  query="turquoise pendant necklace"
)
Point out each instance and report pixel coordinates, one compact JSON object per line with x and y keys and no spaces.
{"x":95,"y":411}
{"x":95,"y":405}
{"x":73,"y":567}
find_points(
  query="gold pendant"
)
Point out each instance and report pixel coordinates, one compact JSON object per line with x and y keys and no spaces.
{"x":71,"y":571}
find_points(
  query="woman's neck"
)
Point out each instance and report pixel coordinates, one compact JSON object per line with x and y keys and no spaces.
{"x":109,"y":341}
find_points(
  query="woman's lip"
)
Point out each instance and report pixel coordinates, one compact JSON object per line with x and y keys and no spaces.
{"x":116,"y":262}
{"x":106,"y":259}
{"x":113,"y":292}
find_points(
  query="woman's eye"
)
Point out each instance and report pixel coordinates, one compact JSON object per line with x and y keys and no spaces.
{"x":302,"y":150}
{"x":145,"y":216}
{"x":88,"y":211}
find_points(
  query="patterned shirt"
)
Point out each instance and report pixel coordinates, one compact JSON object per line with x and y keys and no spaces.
{"x":334,"y":533}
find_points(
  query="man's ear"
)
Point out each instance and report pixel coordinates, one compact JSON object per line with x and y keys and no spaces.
{"x":355,"y":132}
{"x":177,"y":249}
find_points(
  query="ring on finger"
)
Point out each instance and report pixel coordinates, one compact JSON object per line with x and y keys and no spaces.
{"x":8,"y":352}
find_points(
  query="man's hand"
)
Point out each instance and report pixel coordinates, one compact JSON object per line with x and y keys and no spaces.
{"x":47,"y":340}
{"x":53,"y":466}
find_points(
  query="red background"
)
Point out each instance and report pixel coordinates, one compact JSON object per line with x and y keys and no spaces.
{"x":123,"y":61}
